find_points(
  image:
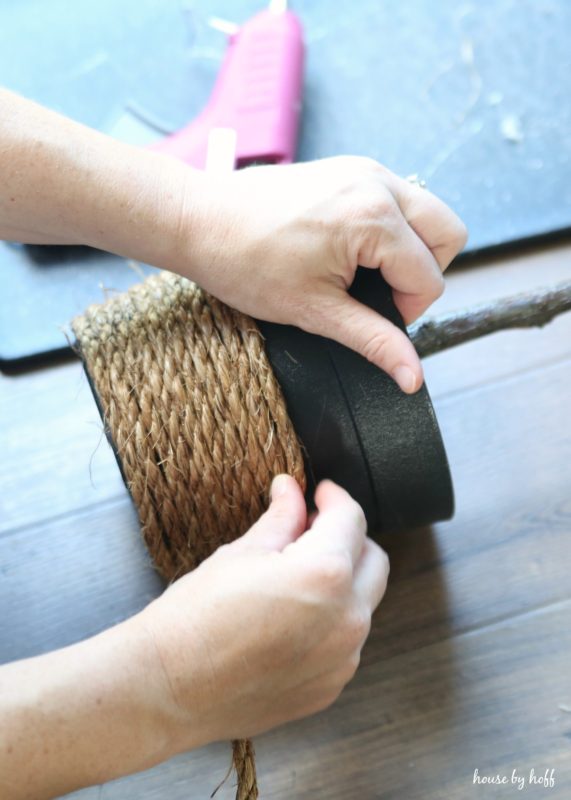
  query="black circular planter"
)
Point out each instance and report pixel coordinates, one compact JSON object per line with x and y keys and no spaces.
{"x":357,"y":427}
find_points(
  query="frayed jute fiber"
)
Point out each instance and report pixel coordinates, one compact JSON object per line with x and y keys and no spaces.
{"x":197,"y":421}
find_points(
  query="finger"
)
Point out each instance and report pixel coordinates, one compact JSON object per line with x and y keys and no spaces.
{"x":371,"y":574}
{"x":358,"y":327}
{"x":284,"y":520}
{"x":442,"y":231}
{"x":339,"y":527}
{"x":408,"y":265}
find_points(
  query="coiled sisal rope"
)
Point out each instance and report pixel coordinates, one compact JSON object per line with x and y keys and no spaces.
{"x":197,"y":421}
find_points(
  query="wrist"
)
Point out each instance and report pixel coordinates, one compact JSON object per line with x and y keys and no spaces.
{"x":65,"y":183}
{"x":149,"y":208}
{"x":180,"y":674}
{"x":97,"y":704}
{"x":113,"y":717}
{"x":128,"y":680}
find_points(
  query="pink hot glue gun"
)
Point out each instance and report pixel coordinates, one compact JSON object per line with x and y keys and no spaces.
{"x":253,"y":113}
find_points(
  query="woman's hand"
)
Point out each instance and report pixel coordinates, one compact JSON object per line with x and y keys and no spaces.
{"x":280,"y":243}
{"x":283,"y":244}
{"x":270,"y":628}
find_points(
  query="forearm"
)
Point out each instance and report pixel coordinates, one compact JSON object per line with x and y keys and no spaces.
{"x":64,"y":183}
{"x":83,"y":715}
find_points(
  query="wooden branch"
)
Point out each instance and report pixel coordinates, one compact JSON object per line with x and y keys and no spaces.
{"x":532,"y":309}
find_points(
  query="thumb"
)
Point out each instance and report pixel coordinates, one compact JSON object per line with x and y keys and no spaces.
{"x":283,"y":522}
{"x":357,"y":326}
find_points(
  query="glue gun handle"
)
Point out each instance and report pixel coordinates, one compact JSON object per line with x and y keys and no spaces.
{"x":257,"y":93}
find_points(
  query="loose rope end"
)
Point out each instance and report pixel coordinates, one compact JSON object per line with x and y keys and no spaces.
{"x":245,"y":765}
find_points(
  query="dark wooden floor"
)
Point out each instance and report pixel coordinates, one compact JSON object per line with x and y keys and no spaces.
{"x":469,"y":662}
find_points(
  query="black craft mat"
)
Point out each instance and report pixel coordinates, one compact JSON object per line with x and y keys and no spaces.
{"x":472,"y":96}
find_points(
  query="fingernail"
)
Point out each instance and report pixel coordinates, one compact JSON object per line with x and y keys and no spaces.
{"x":279,"y":486}
{"x":405,"y":378}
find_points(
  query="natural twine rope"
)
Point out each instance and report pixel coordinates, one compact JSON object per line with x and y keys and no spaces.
{"x":197,"y":420}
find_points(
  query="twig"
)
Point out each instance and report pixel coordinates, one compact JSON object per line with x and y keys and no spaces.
{"x":532,"y":309}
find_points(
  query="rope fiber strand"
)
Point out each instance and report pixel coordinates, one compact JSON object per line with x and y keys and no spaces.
{"x":196,"y":419}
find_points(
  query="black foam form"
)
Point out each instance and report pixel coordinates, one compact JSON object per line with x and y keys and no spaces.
{"x":357,"y":427}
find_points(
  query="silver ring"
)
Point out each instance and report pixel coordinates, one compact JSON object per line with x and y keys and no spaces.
{"x":416,"y":181}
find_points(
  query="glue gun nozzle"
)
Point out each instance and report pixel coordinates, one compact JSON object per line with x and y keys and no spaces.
{"x":278,"y":6}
